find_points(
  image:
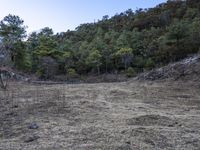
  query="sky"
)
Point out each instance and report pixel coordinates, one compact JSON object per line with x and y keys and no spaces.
{"x":61,"y":15}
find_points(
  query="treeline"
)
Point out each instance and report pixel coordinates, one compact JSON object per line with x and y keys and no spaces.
{"x":128,"y":42}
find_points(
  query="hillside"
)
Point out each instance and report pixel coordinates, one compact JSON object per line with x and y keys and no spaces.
{"x":186,"y":69}
{"x":126,"y":43}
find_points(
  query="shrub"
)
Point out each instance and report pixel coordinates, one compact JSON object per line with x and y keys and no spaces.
{"x":130,"y":72}
{"x":71,"y":73}
{"x":41,"y":73}
{"x":149,"y":64}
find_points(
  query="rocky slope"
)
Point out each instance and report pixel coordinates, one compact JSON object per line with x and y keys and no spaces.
{"x":187,"y":69}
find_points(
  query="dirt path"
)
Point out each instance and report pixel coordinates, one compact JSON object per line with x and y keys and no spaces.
{"x":134,"y":115}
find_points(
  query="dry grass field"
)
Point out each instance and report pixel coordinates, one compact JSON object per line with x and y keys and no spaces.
{"x":121,"y":116}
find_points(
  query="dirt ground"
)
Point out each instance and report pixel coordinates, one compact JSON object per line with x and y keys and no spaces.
{"x":160,"y":115}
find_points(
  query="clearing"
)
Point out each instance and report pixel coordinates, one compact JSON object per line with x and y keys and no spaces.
{"x":128,"y":115}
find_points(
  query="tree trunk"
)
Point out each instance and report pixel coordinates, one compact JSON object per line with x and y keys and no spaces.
{"x":106,"y":66}
{"x":98,"y":69}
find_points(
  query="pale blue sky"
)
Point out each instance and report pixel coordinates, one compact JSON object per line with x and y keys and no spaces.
{"x":61,"y":15}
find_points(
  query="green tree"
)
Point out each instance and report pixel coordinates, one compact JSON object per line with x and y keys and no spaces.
{"x":177,"y":31}
{"x":45,"y":50}
{"x":136,"y":41}
{"x":123,"y":40}
{"x":32,"y":43}
{"x":12,"y":29}
{"x":94,"y":59}
{"x":126,"y":54}
{"x":46,"y":31}
{"x":66,"y":58}
{"x":194,"y":42}
{"x":47,"y":47}
{"x":12,"y":32}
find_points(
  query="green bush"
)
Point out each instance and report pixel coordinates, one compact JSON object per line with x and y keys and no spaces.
{"x":71,"y":73}
{"x":149,"y":64}
{"x":130,"y":72}
{"x":40,"y":72}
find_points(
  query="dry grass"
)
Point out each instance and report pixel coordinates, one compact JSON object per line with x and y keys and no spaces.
{"x":132,"y":115}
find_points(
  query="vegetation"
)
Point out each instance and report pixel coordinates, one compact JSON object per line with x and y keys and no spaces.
{"x":139,"y":40}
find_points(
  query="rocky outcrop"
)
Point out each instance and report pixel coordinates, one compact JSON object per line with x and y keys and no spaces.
{"x":188,"y":69}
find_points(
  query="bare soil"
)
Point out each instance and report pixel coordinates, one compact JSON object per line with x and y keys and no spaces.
{"x":130,"y":115}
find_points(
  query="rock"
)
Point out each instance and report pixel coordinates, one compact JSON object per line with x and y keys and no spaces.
{"x":33,"y":126}
{"x":15,"y":106}
{"x":171,"y":125}
{"x":31,"y":138}
{"x":128,"y":142}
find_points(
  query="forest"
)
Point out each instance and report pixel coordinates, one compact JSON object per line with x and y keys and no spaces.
{"x":127,"y":43}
